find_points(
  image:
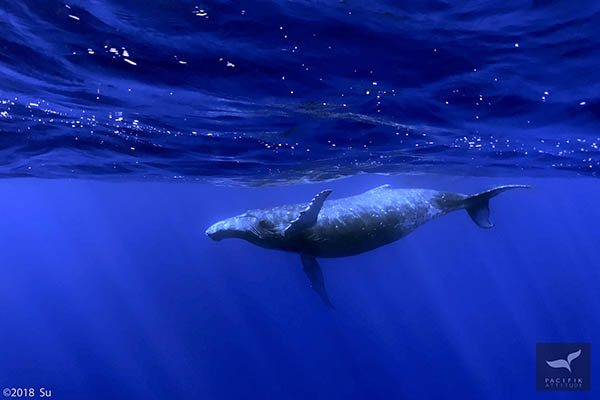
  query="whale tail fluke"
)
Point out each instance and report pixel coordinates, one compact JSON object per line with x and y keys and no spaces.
{"x":478,"y":205}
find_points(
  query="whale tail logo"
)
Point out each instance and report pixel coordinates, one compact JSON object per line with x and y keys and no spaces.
{"x":564,"y":363}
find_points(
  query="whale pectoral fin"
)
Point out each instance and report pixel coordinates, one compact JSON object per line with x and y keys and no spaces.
{"x":312,"y":269}
{"x":308,"y":216}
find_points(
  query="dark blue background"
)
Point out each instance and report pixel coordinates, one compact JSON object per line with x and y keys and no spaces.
{"x":113,"y":291}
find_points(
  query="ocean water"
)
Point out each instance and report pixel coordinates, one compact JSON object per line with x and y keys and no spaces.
{"x":127,"y":128}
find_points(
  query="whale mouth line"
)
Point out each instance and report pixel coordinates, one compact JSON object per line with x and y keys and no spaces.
{"x":215,"y":233}
{"x":213,"y":236}
{"x":235,"y":227}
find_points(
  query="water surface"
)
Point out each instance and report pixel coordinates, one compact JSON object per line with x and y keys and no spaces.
{"x":264,"y":92}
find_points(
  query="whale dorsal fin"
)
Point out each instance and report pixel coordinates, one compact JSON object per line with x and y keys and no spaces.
{"x":308,"y":216}
{"x":386,"y":186}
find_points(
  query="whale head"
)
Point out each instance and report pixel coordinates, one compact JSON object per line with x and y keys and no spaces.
{"x":253,"y":226}
{"x":241,"y":227}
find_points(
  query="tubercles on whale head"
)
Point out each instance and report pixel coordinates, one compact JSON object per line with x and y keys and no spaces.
{"x":241,"y":227}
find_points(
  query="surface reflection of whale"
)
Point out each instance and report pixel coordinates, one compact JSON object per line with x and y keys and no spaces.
{"x":349,"y":226}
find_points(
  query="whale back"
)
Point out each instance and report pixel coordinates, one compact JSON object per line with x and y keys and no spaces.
{"x":360,"y":223}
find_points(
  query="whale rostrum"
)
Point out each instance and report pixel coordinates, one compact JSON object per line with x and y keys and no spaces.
{"x":349,"y":226}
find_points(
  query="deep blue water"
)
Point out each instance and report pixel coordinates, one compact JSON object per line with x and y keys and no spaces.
{"x":113,"y":291}
{"x":128,"y":127}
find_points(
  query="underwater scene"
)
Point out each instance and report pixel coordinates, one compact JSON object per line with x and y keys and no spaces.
{"x":299,"y":199}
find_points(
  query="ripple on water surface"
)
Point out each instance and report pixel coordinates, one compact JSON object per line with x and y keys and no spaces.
{"x":276,"y":93}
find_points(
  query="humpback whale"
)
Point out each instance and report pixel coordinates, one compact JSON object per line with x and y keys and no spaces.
{"x":349,"y":226}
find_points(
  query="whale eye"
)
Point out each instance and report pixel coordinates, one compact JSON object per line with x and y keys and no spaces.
{"x":265,"y":224}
